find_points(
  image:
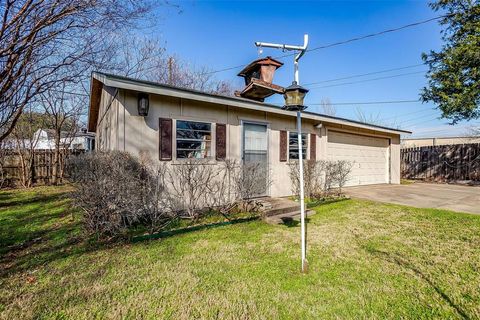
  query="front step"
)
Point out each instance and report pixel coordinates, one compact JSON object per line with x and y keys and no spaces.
{"x":287,"y":217}
{"x":281,"y":209}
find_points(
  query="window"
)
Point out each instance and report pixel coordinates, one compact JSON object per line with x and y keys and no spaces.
{"x":293,"y":145}
{"x":193,"y":139}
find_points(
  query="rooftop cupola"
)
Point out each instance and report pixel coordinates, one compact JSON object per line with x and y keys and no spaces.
{"x":258,"y":77}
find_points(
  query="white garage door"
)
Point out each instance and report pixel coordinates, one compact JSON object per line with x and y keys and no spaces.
{"x":369,"y":155}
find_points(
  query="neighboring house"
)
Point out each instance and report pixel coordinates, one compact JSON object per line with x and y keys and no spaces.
{"x":438,"y":141}
{"x":172,"y":124}
{"x":44,"y":139}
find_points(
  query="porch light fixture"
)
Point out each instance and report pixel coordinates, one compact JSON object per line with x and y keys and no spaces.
{"x":143,"y":104}
{"x":294,"y":95}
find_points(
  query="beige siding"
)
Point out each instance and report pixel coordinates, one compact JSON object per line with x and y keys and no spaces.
{"x":137,"y":134}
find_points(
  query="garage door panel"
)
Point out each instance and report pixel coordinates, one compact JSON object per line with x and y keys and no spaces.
{"x":369,"y":156}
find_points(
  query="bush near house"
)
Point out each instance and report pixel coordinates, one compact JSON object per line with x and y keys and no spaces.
{"x":117,"y":191}
{"x":323,"y":178}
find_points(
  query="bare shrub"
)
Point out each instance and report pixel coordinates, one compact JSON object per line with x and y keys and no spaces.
{"x":116,"y":191}
{"x":237,"y":185}
{"x":320,"y":177}
{"x":190,"y":184}
{"x":251,"y":180}
{"x":341,"y":169}
{"x":311,"y":181}
{"x":223,"y":195}
{"x":327,"y":176}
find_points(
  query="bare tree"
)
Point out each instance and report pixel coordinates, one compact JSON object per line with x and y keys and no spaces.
{"x":327,"y":108}
{"x":25,"y":139}
{"x":369,"y":118}
{"x":147,"y":59}
{"x":41,"y":39}
{"x":63,"y":112}
{"x":175,"y":72}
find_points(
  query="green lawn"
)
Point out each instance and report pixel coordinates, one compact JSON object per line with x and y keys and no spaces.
{"x":367,"y":260}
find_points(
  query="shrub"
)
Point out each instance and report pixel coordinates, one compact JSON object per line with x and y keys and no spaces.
{"x":320,"y":177}
{"x":115,"y":191}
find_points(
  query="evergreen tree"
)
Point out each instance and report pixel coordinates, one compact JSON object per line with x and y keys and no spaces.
{"x":454,"y":75}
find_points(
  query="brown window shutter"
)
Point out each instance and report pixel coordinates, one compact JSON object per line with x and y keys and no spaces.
{"x":283,"y":146}
{"x":165,"y":139}
{"x":313,"y":146}
{"x":221,"y":141}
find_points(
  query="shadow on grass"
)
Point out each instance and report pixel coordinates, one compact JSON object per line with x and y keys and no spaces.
{"x":292,"y":223}
{"x":403,"y":263}
{"x":11,"y":198}
{"x":32,"y":232}
{"x":170,"y":233}
{"x":321,"y":202}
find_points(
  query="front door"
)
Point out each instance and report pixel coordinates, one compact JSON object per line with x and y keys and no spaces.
{"x":255,"y":155}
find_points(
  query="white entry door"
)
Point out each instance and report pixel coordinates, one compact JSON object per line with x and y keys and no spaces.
{"x":255,"y":153}
{"x":369,"y":155}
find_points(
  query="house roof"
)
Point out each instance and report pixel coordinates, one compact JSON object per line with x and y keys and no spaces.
{"x":104,"y":79}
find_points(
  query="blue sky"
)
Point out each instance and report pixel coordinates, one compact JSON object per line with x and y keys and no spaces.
{"x":221,"y":34}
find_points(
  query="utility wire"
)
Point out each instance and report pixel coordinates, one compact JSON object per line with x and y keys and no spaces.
{"x":407,"y":114}
{"x":365,"y":103}
{"x":414,"y":119}
{"x":416,"y":124}
{"x":368,"y":80}
{"x":414,"y":24}
{"x":364,"y":74}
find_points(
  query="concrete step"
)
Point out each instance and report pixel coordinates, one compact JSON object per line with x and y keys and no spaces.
{"x":280,"y":206}
{"x":287,"y":217}
{"x":279,"y":210}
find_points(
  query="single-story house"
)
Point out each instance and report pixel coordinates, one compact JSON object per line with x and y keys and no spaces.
{"x":172,"y":124}
{"x":44,"y":139}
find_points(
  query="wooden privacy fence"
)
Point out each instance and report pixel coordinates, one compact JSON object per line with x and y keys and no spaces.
{"x":40,"y":169}
{"x":442,"y":163}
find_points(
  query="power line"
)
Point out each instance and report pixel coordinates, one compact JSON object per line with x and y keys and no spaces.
{"x":341,"y":42}
{"x":414,"y":119}
{"x":368,"y":80}
{"x":406,"y":114}
{"x":364,"y":74}
{"x":366,"y":102}
{"x":416,"y":124}
{"x":414,"y":24}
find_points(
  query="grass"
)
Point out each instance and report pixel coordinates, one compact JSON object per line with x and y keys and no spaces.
{"x":366,"y":260}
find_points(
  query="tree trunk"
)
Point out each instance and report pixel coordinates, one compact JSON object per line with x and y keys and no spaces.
{"x":56,"y":159}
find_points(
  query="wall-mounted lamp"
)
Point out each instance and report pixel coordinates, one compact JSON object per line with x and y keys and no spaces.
{"x":143,"y":104}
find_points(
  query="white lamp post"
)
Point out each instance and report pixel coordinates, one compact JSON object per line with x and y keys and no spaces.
{"x":294,"y":96}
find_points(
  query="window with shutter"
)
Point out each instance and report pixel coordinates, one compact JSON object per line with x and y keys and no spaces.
{"x":313,"y":146}
{"x":221,"y":141}
{"x":193,"y":139}
{"x":283,"y":146}
{"x":165,"y":139}
{"x":293,"y":146}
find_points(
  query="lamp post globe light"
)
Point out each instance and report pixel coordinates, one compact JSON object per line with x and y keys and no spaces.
{"x":294,"y":95}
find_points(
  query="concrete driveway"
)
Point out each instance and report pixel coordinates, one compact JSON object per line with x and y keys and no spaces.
{"x":423,"y":195}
